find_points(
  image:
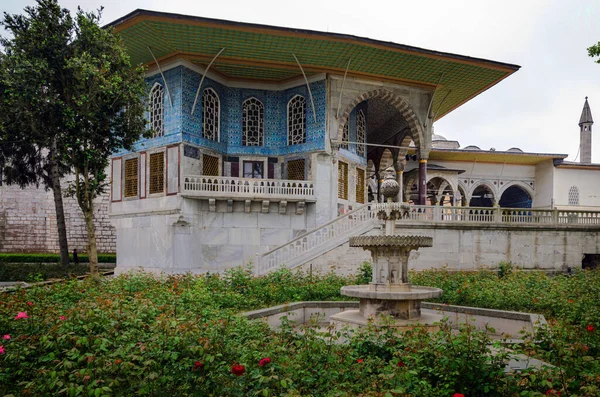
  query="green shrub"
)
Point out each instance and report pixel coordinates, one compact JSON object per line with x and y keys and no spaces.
{"x":39,"y":271}
{"x":52,"y":258}
{"x":181,"y":335}
{"x":365,"y":273}
{"x":505,"y":268}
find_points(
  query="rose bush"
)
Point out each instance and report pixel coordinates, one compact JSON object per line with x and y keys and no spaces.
{"x":144,"y":335}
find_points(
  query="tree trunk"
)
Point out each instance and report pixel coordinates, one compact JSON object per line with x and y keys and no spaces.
{"x":92,"y":250}
{"x":60,"y":213}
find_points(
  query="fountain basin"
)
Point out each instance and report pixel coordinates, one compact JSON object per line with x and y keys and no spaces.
{"x":399,"y":292}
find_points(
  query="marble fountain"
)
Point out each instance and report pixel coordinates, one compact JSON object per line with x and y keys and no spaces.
{"x":390,"y":299}
{"x":389,"y":294}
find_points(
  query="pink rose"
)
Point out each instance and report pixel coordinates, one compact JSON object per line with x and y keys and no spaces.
{"x":21,"y":315}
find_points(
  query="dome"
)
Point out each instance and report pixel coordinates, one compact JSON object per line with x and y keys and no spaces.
{"x":471,"y":147}
{"x":515,"y":149}
{"x":436,"y":137}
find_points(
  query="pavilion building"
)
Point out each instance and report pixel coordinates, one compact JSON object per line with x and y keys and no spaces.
{"x":261,"y":133}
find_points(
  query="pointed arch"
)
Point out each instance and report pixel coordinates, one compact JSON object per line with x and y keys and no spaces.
{"x":211,"y":114}
{"x":157,"y":110}
{"x":397,"y":102}
{"x":296,"y":112}
{"x":483,"y":194}
{"x":253,"y":122}
{"x":386,"y":161}
{"x":515,"y":195}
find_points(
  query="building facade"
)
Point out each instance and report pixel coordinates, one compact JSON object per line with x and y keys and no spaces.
{"x":262,"y":134}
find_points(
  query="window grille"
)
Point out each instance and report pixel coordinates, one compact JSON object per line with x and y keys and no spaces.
{"x":297,"y":120}
{"x":345,"y":137}
{"x":295,"y":169}
{"x":157,"y":110}
{"x":360,"y":186}
{"x":157,"y":173}
{"x":574,"y":195}
{"x":131,"y":177}
{"x":210,"y":165}
{"x":253,"y":120}
{"x":361,"y":133}
{"x":211,"y":110}
{"x":342,"y":180}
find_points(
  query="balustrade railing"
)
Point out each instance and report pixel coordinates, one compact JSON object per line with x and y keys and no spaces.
{"x":430,"y":213}
{"x":220,"y":186}
{"x":336,"y":230}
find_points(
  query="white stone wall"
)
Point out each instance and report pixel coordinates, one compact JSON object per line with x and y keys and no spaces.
{"x":587,"y":181}
{"x":544,"y":185}
{"x":28,"y":222}
{"x":177,"y":235}
{"x":474,"y":248}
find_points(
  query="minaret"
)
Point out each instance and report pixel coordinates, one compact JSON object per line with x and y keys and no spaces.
{"x":585,"y":134}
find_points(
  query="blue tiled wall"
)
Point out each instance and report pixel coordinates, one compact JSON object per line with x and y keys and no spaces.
{"x":172,"y":113}
{"x":181,"y":125}
{"x":275,"y":102}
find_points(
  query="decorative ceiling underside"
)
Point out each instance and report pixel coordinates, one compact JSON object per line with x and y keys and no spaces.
{"x":492,"y":156}
{"x":264,"y":54}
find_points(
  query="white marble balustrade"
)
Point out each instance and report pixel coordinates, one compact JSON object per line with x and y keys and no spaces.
{"x":250,"y":188}
{"x":316,"y":241}
{"x":339,"y":230}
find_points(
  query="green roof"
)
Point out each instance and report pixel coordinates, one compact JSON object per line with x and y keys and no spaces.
{"x":264,"y":54}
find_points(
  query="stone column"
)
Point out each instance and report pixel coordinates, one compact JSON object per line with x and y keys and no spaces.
{"x":422,"y":182}
{"x":399,"y":166}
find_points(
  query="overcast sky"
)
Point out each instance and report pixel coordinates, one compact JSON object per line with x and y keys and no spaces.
{"x":536,"y":109}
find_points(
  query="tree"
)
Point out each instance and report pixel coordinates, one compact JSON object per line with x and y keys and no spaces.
{"x":32,"y":66}
{"x":87,"y":90}
{"x":594,"y":51}
{"x":106,"y":113}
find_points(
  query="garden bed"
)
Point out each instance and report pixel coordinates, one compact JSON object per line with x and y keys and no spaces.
{"x":32,"y":272}
{"x":183,"y":335}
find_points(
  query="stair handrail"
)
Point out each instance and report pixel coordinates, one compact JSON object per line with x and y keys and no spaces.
{"x":347,"y":214}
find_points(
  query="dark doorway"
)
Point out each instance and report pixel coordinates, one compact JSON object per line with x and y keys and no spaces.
{"x":590,"y":261}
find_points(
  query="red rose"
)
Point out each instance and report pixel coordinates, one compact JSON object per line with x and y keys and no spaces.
{"x":360,"y":360}
{"x":401,"y":364}
{"x":264,"y":361}
{"x":458,"y":395}
{"x":590,"y":328}
{"x":198,"y":365}
{"x":238,"y":369}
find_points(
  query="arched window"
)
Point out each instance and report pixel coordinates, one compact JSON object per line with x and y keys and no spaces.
{"x":297,"y":120}
{"x":361,"y":133}
{"x":157,"y":110}
{"x":574,"y":195}
{"x":253,"y":121}
{"x":211,"y":109}
{"x":345,"y":137}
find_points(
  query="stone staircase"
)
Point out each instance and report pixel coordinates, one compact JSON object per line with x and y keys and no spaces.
{"x":316,"y":242}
